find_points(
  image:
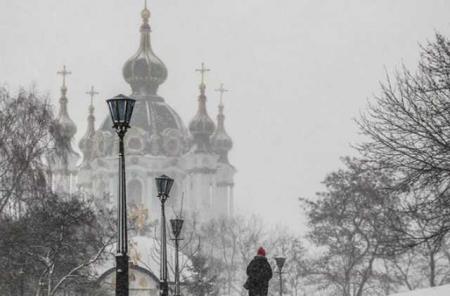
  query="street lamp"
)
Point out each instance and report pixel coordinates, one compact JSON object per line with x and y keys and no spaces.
{"x":121,"y":109}
{"x":41,"y":288}
{"x":163,"y":185}
{"x":21,"y":275}
{"x":177,"y":224}
{"x":280,"y":262}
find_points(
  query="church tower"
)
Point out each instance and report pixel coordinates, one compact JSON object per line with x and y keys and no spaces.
{"x":158,"y":143}
{"x":154,"y":144}
{"x":86,"y":143}
{"x":200,"y":162}
{"x":64,"y":159}
{"x":221,"y":144}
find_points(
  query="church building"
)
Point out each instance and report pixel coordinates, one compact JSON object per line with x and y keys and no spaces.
{"x":158,"y":142}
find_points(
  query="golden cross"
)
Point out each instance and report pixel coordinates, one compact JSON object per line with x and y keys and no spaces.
{"x":64,"y":73}
{"x":92,"y":92}
{"x":202,"y":71}
{"x":221,"y":90}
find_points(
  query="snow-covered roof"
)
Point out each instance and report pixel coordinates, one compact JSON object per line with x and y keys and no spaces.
{"x":435,"y":291}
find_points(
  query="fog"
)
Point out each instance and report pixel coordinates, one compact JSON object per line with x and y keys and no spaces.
{"x":298,"y":71}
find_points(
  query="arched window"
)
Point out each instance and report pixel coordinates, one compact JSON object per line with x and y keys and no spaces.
{"x":134,"y":193}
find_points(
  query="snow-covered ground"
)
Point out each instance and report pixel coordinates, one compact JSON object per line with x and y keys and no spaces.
{"x":436,"y":291}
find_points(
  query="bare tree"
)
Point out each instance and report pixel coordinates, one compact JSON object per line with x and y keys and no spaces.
{"x":409,"y":122}
{"x":26,"y":122}
{"x":228,"y":244}
{"x":54,"y":243}
{"x":347,"y":223}
{"x":283,"y":243}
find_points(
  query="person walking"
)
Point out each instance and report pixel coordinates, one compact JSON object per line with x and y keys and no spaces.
{"x":259,"y":273}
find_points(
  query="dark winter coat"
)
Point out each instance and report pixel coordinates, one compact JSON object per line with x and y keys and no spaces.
{"x":259,"y":273}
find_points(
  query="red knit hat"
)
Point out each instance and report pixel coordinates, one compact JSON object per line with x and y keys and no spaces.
{"x":261,"y":252}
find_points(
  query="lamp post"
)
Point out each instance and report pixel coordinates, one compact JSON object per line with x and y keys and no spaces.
{"x":163,"y":185}
{"x":121,"y":109}
{"x":280,"y":262}
{"x":177,"y":225}
{"x":21,"y":275}
{"x":41,"y":288}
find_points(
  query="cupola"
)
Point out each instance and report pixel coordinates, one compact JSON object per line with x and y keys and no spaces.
{"x":144,"y":71}
{"x":202,"y":126}
{"x":220,"y":141}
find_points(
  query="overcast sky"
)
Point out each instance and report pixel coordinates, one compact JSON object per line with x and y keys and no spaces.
{"x":299,"y":72}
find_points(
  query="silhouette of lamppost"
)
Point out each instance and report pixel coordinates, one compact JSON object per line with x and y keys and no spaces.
{"x":177,"y":225}
{"x":41,"y":288}
{"x":163,"y":185}
{"x":121,"y":109}
{"x":21,"y":275}
{"x":280,"y":262}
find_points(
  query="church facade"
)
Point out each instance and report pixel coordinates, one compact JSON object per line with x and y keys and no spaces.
{"x":158,"y":142}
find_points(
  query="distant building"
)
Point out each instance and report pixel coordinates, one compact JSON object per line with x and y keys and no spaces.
{"x":157,"y":143}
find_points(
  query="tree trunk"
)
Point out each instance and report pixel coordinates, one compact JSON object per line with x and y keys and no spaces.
{"x":432,"y":270}
{"x":367,"y":274}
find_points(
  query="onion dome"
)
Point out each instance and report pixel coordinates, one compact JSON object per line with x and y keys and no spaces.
{"x":202,"y":126}
{"x":86,"y":142}
{"x":67,"y":127}
{"x":221,"y":142}
{"x":144,"y":71}
{"x":156,"y":128}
